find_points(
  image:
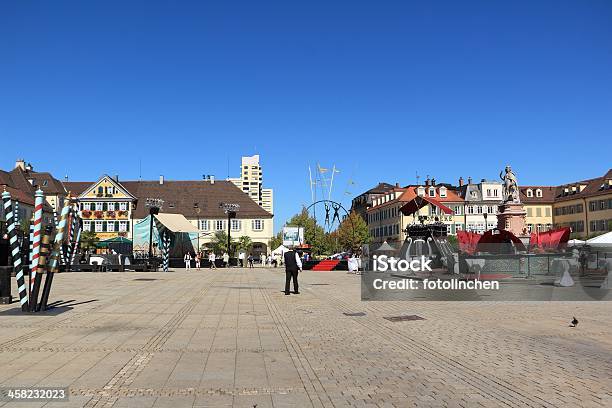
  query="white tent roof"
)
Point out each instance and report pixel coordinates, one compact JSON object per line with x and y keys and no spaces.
{"x":280,"y":250}
{"x":575,"y":242}
{"x":176,"y":222}
{"x":602,"y":240}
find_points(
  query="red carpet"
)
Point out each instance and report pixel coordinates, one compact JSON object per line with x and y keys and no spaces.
{"x":326,"y":265}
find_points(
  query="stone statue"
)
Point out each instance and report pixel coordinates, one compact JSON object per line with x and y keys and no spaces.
{"x":510,"y":187}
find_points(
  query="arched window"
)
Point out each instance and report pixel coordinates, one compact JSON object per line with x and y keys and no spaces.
{"x":529,"y":193}
{"x":538,"y":193}
{"x":442,"y":191}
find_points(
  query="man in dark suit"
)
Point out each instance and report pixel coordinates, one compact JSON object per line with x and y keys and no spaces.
{"x":293,"y":265}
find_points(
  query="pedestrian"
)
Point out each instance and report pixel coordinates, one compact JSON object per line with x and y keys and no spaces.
{"x":251,"y":259}
{"x":198,"y":258}
{"x":187,"y":259}
{"x":269,"y":260}
{"x":225,"y":260}
{"x":211,"y":258}
{"x":293,"y":265}
{"x":241,"y":259}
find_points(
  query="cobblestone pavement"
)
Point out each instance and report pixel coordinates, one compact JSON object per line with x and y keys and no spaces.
{"x":231,"y":338}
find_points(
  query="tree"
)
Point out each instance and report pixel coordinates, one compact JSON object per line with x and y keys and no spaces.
{"x":314,"y":234}
{"x":353,"y":232}
{"x":245,"y":243}
{"x":276,"y":241}
{"x":219,"y":242}
{"x":88,"y":240}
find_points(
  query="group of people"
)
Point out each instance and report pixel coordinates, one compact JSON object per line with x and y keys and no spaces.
{"x":212,"y":259}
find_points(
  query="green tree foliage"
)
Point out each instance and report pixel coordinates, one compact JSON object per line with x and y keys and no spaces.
{"x":276,"y":241}
{"x":245,"y":243}
{"x":353,"y":232}
{"x":218,"y":244}
{"x":88,"y":240}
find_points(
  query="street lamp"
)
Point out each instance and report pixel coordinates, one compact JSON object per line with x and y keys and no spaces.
{"x":231,"y":210}
{"x":485,"y":214}
{"x":154,"y":205}
{"x":197,"y":209}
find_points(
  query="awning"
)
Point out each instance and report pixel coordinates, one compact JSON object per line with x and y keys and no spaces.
{"x":419,"y":202}
{"x":176,"y":223}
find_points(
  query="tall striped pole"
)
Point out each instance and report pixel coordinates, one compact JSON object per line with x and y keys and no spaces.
{"x":16,"y":211}
{"x":30,"y":242}
{"x":71,"y":234}
{"x":38,"y":206}
{"x":42,"y":263}
{"x":15,"y":251}
{"x":166,"y":252}
{"x":53,"y":265}
{"x":76,"y":242}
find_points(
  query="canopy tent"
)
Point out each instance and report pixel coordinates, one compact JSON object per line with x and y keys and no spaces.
{"x":385,"y":247}
{"x":119,"y":240}
{"x":549,"y":240}
{"x":419,"y":202}
{"x":604,"y":240}
{"x":183,"y":235}
{"x":496,"y":241}
{"x":176,"y":223}
{"x":280,"y":250}
{"x":575,"y":242}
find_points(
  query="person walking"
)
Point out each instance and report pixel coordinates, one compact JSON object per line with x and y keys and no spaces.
{"x":187,"y":259}
{"x":225,"y":260}
{"x":241,"y":259}
{"x":198,"y":258}
{"x":211,"y":258}
{"x":293,"y":265}
{"x":250,"y":260}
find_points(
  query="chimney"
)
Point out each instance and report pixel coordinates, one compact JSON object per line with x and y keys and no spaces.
{"x":427,"y":180}
{"x":433,"y":181}
{"x":116,"y":178}
{"x":29,"y":167}
{"x":161,"y":179}
{"x":212,"y":179}
{"x":460,"y":181}
{"x":397,"y":185}
{"x":20,"y":163}
{"x":469,"y":180}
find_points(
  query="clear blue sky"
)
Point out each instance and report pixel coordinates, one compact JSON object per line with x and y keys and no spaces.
{"x":381,"y":88}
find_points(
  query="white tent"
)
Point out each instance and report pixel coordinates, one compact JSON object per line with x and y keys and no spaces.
{"x":575,"y":242}
{"x":604,"y":240}
{"x":280,"y":250}
{"x":176,"y":223}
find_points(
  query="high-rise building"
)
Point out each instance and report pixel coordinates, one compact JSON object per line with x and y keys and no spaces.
{"x":251,"y":183}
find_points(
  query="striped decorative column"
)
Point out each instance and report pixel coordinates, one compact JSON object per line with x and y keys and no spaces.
{"x":166,"y":254}
{"x":30,"y":241}
{"x":38,"y":206}
{"x":76,"y":241}
{"x":42,"y":262}
{"x":15,"y":251}
{"x":53,"y":265}
{"x":16,"y":212}
{"x":71,"y":234}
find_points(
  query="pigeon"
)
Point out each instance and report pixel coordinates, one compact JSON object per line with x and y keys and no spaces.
{"x":574,"y":322}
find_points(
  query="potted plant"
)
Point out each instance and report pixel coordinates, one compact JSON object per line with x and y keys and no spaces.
{"x":98,"y":214}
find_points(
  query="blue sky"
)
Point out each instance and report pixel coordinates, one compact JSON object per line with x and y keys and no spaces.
{"x":381,"y":89}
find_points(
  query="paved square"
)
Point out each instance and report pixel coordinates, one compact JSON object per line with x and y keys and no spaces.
{"x":231,"y":338}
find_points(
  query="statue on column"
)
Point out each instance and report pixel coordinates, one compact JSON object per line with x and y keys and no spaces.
{"x":510,"y":186}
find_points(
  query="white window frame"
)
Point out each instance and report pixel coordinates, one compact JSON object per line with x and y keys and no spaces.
{"x":87,"y":206}
{"x":539,"y":193}
{"x":529,"y":192}
{"x":122,"y":226}
{"x":236,"y":224}
{"x":257,"y":225}
{"x":110,"y":226}
{"x":110,"y":206}
{"x":86,"y":225}
{"x":432,"y":192}
{"x":123,"y":206}
{"x":99,"y":206}
{"x":219,"y":223}
{"x":99,"y":227}
{"x":204,"y":225}
{"x":442,"y":191}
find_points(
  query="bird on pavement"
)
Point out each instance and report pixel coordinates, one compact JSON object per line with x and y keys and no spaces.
{"x":574,"y":322}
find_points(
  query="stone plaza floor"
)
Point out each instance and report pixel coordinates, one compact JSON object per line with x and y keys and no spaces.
{"x":226,"y":338}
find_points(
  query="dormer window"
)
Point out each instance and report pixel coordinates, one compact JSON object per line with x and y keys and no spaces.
{"x":421,"y":191}
{"x":529,"y":193}
{"x":539,"y":193}
{"x":442,"y":191}
{"x":432,"y":192}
